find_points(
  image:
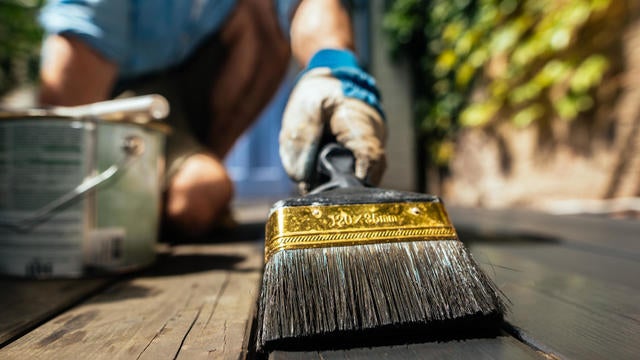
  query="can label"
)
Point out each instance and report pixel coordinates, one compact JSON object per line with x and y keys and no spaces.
{"x":106,"y":248}
{"x":111,"y":227}
{"x":39,"y":162}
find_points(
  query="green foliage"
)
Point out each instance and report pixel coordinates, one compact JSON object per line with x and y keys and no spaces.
{"x":477,"y":61}
{"x":20,"y":38}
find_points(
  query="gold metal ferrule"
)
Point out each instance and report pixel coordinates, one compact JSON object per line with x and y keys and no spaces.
{"x":317,"y":226}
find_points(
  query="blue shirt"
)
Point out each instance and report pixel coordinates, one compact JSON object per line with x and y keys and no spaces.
{"x":143,"y":36}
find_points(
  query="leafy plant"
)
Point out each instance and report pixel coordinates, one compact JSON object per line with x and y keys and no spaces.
{"x":20,"y":41}
{"x":478,"y":61}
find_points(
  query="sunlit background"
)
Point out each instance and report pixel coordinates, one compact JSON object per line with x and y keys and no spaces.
{"x":490,"y":103}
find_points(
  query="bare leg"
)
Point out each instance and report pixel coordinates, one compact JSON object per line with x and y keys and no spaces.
{"x":198,"y":193}
{"x":74,"y":74}
{"x":256,"y":55}
{"x":254,"y":60}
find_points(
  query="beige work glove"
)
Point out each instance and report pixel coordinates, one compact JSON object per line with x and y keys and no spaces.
{"x":335,"y":93}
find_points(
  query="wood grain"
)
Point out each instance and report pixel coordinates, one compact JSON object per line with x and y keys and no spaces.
{"x":613,"y":237}
{"x":179,"y":303}
{"x":24,"y":304}
{"x":567,"y":259}
{"x":220,"y":330}
{"x":562,"y":312}
{"x":573,"y":282}
{"x":503,"y":347}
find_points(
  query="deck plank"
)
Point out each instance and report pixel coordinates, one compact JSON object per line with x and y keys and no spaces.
{"x":614,"y":237}
{"x":567,"y":259}
{"x":562,"y":312}
{"x":572,"y":280}
{"x":152,"y":315}
{"x":232,"y":313}
{"x":24,"y":303}
{"x":502,"y":347}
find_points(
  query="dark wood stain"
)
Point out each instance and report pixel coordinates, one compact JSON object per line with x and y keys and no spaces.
{"x":503,"y":347}
{"x":24,"y":303}
{"x":564,"y":313}
{"x":572,"y":282}
{"x":619,"y":237}
{"x":74,"y":323}
{"x":73,"y":338}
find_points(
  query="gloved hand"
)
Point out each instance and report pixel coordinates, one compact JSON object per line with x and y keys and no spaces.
{"x":333,"y":91}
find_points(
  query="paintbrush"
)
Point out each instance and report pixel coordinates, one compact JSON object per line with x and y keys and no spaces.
{"x":348,"y":261}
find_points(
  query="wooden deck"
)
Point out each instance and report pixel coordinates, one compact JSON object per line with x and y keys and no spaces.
{"x":574,"y":283}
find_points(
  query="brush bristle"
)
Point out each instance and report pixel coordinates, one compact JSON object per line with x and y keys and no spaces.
{"x":324,"y":291}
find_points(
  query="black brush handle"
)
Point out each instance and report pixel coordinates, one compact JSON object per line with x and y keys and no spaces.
{"x":336,"y":184}
{"x":337,"y":163}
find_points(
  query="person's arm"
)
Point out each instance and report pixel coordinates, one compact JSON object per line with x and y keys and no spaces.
{"x":317,"y":25}
{"x":334,"y":92}
{"x":85,"y":40}
{"x":72,"y":73}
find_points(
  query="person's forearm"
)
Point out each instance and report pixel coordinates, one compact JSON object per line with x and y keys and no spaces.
{"x":74,"y":74}
{"x":320,"y":24}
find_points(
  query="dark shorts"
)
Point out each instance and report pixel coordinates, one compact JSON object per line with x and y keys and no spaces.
{"x":218,"y":92}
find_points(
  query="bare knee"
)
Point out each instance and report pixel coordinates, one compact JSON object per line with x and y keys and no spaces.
{"x":198,"y":194}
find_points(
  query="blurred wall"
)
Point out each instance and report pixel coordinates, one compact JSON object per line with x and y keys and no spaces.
{"x":395,"y":86}
{"x":557,"y":165}
{"x":254,"y":162}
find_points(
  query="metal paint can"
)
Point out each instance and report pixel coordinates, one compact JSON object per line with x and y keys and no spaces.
{"x":78,"y":195}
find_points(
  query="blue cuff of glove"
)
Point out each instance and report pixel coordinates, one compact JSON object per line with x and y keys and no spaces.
{"x":333,"y":58}
{"x":356,"y":83}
